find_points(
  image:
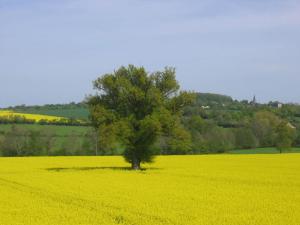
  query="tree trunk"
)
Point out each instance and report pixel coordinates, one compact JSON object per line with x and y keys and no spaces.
{"x":136,"y":164}
{"x":96,"y":141}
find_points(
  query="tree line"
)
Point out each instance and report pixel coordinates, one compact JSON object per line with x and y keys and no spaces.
{"x":264,"y":129}
{"x":26,"y":141}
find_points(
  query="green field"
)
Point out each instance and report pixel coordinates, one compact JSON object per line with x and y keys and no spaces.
{"x":175,"y":190}
{"x":263,"y":151}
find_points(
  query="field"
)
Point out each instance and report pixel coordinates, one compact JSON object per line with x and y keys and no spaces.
{"x":183,"y":190}
{"x":270,"y":150}
{"x":77,"y":113}
{"x":28,"y":116}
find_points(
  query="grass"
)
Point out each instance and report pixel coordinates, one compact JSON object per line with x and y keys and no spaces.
{"x":263,"y":151}
{"x":181,"y":190}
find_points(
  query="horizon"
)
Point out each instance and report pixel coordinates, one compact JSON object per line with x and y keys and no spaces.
{"x":51,"y":51}
{"x":78,"y":102}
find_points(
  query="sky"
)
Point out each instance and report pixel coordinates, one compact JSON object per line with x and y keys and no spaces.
{"x":52,"y":50}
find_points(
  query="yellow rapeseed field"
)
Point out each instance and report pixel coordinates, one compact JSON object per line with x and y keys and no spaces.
{"x":35,"y":117}
{"x":181,"y":190}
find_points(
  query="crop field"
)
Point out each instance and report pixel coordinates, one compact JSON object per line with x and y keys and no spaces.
{"x":35,"y":117}
{"x":77,"y":113}
{"x":182,"y":190}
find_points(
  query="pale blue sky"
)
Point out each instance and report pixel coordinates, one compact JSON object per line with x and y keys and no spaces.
{"x":51,"y":50}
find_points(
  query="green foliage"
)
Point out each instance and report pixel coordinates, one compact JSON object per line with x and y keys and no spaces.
{"x":264,"y":126}
{"x":245,"y":138}
{"x":219,"y":140}
{"x":297,"y":138}
{"x":36,"y":140}
{"x":179,"y":141}
{"x":135,"y":108}
{"x":285,"y":136}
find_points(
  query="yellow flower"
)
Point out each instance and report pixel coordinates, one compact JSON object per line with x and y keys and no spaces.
{"x":180,"y":190}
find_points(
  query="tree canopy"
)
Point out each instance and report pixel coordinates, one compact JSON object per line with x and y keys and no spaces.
{"x":135,"y":108}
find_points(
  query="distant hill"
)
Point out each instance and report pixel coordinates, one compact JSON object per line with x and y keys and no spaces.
{"x":80,"y":110}
{"x":222,"y":109}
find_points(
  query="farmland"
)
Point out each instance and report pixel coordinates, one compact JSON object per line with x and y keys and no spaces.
{"x":28,"y":116}
{"x":213,"y":189}
{"x":76,"y":111}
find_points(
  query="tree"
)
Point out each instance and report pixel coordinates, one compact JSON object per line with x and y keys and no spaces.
{"x":135,"y":108}
{"x":14,"y":142}
{"x":219,"y":140}
{"x":179,"y":141}
{"x":297,"y":138}
{"x":88,"y":143}
{"x":285,"y":136}
{"x":264,"y":127}
{"x":47,"y":137}
{"x":245,"y":138}
{"x":34,"y":143}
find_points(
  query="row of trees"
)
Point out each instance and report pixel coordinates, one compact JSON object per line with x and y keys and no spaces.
{"x":203,"y":136}
{"x":199,"y":136}
{"x":25,"y":141}
{"x":265,"y":129}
